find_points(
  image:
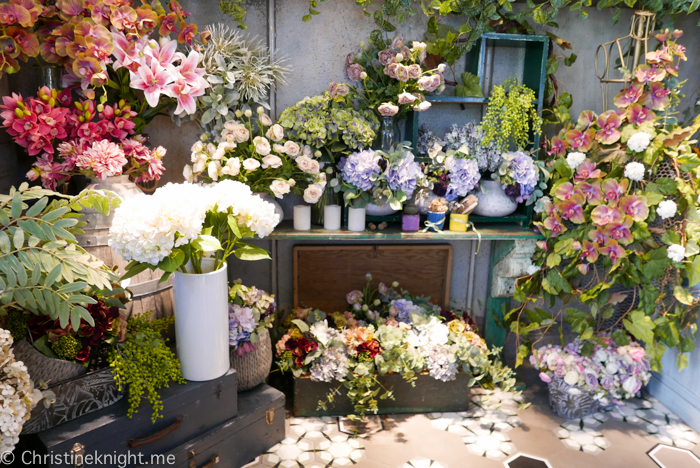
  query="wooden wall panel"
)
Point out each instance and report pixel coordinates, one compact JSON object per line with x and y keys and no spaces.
{"x":323,"y":275}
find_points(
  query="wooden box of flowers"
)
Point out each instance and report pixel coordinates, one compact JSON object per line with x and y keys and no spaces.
{"x":388,"y":352}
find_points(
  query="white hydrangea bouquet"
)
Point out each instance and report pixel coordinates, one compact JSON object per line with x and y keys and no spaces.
{"x":183,"y":223}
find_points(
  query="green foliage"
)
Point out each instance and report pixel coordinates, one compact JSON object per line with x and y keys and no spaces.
{"x":470,"y":86}
{"x":42,"y":269}
{"x":66,"y":347}
{"x":17,"y":324}
{"x":145,"y":364}
{"x":511,"y":116}
{"x":234,"y":9}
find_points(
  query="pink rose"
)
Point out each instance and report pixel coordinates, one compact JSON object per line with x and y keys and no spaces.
{"x":398,"y":42}
{"x":388,"y":109}
{"x":414,"y":71}
{"x":402,"y":73}
{"x":385,"y":56}
{"x":390,"y":70}
{"x":354,"y":72}
{"x":406,"y":98}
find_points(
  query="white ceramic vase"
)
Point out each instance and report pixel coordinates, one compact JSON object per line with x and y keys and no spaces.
{"x":201,"y":321}
{"x":493,"y":201}
{"x":380,"y":210}
{"x":269,"y":198}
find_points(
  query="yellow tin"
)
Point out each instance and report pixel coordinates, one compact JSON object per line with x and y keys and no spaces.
{"x":458,"y":222}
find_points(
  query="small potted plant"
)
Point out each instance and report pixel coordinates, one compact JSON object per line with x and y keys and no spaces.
{"x":437,"y":212}
{"x":587,"y":374}
{"x":251,"y":313}
{"x":459,"y":213}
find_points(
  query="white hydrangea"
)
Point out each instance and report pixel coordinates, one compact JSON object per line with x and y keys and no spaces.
{"x":676,"y":252}
{"x":541,"y":203}
{"x":17,"y":394}
{"x":639,"y":142}
{"x":574,"y":160}
{"x":634,"y":171}
{"x":146,"y":228}
{"x":667,"y":209}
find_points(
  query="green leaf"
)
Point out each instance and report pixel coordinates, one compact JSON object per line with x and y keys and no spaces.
{"x":42,"y":345}
{"x":303,"y":326}
{"x":640,"y":326}
{"x":5,"y":245}
{"x":16,"y":206}
{"x":563,"y":168}
{"x":37,"y":207}
{"x":568,"y":61}
{"x":133,"y":269}
{"x":655,"y":263}
{"x":206,"y":243}
{"x":53,"y":275}
{"x":694,"y":271}
{"x":471,"y":86}
{"x":172,"y":262}
{"x":683,"y":295}
{"x":4,"y":219}
{"x":73,"y":287}
{"x":18,"y":239}
{"x":233,"y":224}
{"x":81,"y":299}
{"x":251,"y":253}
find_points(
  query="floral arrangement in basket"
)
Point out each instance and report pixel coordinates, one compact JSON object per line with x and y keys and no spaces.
{"x":264,"y":159}
{"x":390,"y":76}
{"x":378,"y":177}
{"x":612,"y":373}
{"x":622,"y":212}
{"x":78,"y":138}
{"x":180,"y":224}
{"x":329,"y":125}
{"x":251,"y":311}
{"x":385,"y":330}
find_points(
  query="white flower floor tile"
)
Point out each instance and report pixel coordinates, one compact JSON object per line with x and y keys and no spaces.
{"x":422,"y":463}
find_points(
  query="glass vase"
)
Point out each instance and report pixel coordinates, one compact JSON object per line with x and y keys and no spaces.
{"x":329,"y":197}
{"x":50,"y":75}
{"x":387,"y":134}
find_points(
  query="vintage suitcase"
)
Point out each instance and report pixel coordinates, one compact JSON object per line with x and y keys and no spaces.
{"x":258,"y":426}
{"x":188,"y":411}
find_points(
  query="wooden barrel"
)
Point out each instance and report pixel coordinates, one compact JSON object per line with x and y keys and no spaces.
{"x":147,"y":294}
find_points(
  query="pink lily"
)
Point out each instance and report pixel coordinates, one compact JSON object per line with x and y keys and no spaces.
{"x":589,"y":251}
{"x":614,"y":251}
{"x":635,"y":207}
{"x":629,"y":96}
{"x":163,"y":52}
{"x":620,"y":231}
{"x":580,"y":141}
{"x":614,"y":190}
{"x":572,"y":209}
{"x":152,"y":81}
{"x":591,"y":191}
{"x":657,"y":96}
{"x":188,"y":69}
{"x":604,"y":214}
{"x":609,"y":122}
{"x":185,"y":96}
{"x":638,"y":114}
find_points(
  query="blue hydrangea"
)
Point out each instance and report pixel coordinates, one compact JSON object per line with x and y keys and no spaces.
{"x":439,"y":364}
{"x":361,"y":169}
{"x":403,"y":175}
{"x":331,"y":365}
{"x":523,"y":171}
{"x":464,"y":176}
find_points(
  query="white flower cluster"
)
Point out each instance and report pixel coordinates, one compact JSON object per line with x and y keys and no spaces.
{"x":667,"y":209}
{"x":676,"y":252}
{"x":574,"y":160}
{"x":639,"y":142}
{"x":17,"y":397}
{"x":634,"y":171}
{"x":147,"y":228}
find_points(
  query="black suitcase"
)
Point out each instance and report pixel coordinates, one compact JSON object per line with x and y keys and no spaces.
{"x":258,"y":426}
{"x":188,"y":411}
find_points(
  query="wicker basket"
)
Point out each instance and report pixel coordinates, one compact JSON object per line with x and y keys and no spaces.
{"x":252,"y":368}
{"x":43,"y":368}
{"x":570,"y":406}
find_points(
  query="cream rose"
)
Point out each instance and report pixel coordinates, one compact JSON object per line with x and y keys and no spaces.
{"x":279,"y":188}
{"x":240,"y":133}
{"x":262,"y":145}
{"x":232,"y":167}
{"x":292,"y":149}
{"x":265,"y":120}
{"x":277,"y":148}
{"x":271,"y":161}
{"x":387,"y":109}
{"x":213,"y":169}
{"x":251,"y":164}
{"x":275,"y":133}
{"x":312,"y":193}
{"x":305,"y":163}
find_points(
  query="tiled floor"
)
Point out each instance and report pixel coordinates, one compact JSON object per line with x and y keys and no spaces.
{"x":494,"y":433}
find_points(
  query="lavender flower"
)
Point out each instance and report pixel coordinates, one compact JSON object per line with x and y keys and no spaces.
{"x":441,"y":362}
{"x":464,"y":176}
{"x":402,"y":309}
{"x":241,"y":324}
{"x":519,"y":169}
{"x":403,"y":174}
{"x":331,"y":365}
{"x":470,"y":135}
{"x":361,"y":169}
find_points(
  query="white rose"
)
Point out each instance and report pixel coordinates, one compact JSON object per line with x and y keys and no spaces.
{"x":634,"y":171}
{"x":630,"y":385}
{"x":574,"y":160}
{"x":275,"y":133}
{"x":277,"y":148}
{"x":251,"y":164}
{"x":213,"y":169}
{"x":265,"y":120}
{"x":667,"y":209}
{"x":308,"y":151}
{"x":232,"y":167}
{"x":612,"y":368}
{"x":441,"y":68}
{"x":271,"y":161}
{"x":305,"y":163}
{"x":292,"y":149}
{"x":676,"y":252}
{"x":600,"y":355}
{"x":574,"y":391}
{"x":197,"y":147}
{"x":211,"y":148}
{"x":187,"y":173}
{"x":571,"y":377}
{"x":312,"y":194}
{"x":316,"y":168}
{"x":321,"y":332}
{"x":423,"y":106}
{"x":262,"y":145}
{"x":219,"y":153}
{"x":240,"y":132}
{"x":230,"y":125}
{"x":639,"y":142}
{"x":279,"y":188}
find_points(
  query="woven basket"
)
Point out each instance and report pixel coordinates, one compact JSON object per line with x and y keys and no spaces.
{"x":253,"y":368}
{"x":570,"y":406}
{"x":43,"y":368}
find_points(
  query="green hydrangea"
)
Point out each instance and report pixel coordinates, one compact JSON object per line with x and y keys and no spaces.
{"x":17,"y":324}
{"x":329,"y":124}
{"x":66,"y":347}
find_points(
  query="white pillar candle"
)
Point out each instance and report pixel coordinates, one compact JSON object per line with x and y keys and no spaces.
{"x":331,"y":217}
{"x":302,"y":218}
{"x":356,"y":219}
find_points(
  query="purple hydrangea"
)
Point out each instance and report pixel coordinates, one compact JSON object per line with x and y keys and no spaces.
{"x":241,"y":323}
{"x":331,"y":365}
{"x":464,"y":176}
{"x":523,"y":171}
{"x":401,"y":309}
{"x":403,"y":174}
{"x":361,"y":169}
{"x":439,"y":364}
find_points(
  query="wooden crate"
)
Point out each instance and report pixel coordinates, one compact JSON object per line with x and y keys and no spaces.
{"x":323,"y":275}
{"x":429,"y":395}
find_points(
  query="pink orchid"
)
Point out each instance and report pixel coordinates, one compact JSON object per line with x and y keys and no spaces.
{"x":553,"y":224}
{"x":604,"y":214}
{"x":583,"y":268}
{"x":660,"y":56}
{"x":588,"y":170}
{"x":638,"y":114}
{"x":585,"y":120}
{"x":597,"y":236}
{"x":589,"y":251}
{"x":123,"y":17}
{"x":572,"y":209}
{"x":657,"y":96}
{"x":168,"y":24}
{"x":646,"y":74}
{"x":614,"y":251}
{"x":609,"y":123}
{"x":629,"y":96}
{"x":591,"y":191}
{"x":613,"y":190}
{"x":152,"y":81}
{"x":11,"y":14}
{"x":187,"y":33}
{"x":580,"y":141}
{"x":620,"y":231}
{"x":558,"y":147}
{"x":635,"y":207}
{"x":564,"y":191}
